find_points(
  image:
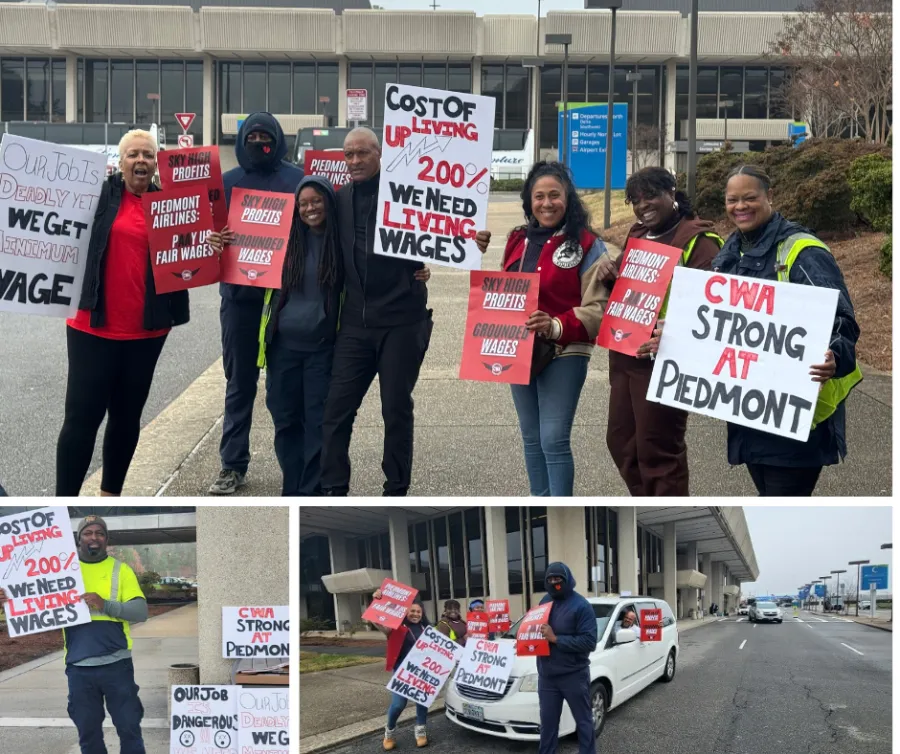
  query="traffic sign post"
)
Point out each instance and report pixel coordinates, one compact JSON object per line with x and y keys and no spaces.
{"x":357,"y":105}
{"x":185,"y":141}
{"x":874,"y":577}
{"x":185,"y":120}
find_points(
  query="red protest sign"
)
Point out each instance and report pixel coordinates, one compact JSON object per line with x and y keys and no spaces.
{"x":261,"y":221}
{"x":477,"y":624}
{"x":529,"y":641}
{"x":329,"y":164}
{"x":178,"y":223}
{"x":193,"y":167}
{"x":638,"y":295}
{"x":498,"y":615}
{"x":497,"y":347}
{"x":390,"y":610}
{"x":651,"y":625}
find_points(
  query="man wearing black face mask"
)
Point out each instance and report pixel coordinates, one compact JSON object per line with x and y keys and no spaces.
{"x":260,"y":150}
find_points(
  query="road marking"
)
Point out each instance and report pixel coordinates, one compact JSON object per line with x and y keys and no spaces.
{"x":821,"y":620}
{"x":742,"y":644}
{"x":799,"y":620}
{"x":755,"y":625}
{"x":852,"y":649}
{"x":741,"y":619}
{"x":723,"y":620}
{"x":809,"y":625}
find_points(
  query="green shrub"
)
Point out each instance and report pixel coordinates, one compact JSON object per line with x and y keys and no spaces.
{"x":508,"y":184}
{"x":871,"y":182}
{"x":309,"y":625}
{"x":884,"y":260}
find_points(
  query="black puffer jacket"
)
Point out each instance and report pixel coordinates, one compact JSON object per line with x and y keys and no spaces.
{"x":160,"y":311}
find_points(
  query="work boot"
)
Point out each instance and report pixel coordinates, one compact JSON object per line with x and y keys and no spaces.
{"x":421,"y":737}
{"x":389,"y":742}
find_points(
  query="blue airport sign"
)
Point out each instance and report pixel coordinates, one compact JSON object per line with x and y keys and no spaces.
{"x":585,"y":144}
{"x":874,"y":575}
{"x":820,"y":590}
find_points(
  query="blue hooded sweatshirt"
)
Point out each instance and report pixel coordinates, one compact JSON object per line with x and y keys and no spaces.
{"x":574,"y":623}
{"x":257,"y":169}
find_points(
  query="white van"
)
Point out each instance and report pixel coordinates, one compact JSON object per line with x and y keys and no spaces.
{"x":621,"y":666}
{"x":513,"y":153}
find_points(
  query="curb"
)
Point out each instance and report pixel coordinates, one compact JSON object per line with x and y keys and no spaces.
{"x":873,"y":625}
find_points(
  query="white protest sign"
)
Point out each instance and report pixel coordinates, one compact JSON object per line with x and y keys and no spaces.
{"x":739,"y":349}
{"x":251,"y":631}
{"x":48,"y":197}
{"x":435,"y":175}
{"x":264,"y":720}
{"x":204,"y":720}
{"x":424,"y":671}
{"x":40,"y":572}
{"x":486,"y":665}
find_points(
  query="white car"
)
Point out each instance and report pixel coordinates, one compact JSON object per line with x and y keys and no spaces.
{"x":865,"y":605}
{"x":765,"y":612}
{"x":621,"y":666}
{"x":743,"y":610}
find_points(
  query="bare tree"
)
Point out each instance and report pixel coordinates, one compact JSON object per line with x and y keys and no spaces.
{"x":646,"y":145}
{"x":839,"y":56}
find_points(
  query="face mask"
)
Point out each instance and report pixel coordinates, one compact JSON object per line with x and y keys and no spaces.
{"x":261,"y":152}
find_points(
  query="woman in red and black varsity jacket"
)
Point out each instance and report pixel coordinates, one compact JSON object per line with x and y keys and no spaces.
{"x":556,"y":243}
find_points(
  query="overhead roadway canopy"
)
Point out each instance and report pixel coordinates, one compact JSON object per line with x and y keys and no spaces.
{"x":363,"y":522}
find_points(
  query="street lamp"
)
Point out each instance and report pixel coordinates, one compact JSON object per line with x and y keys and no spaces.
{"x":858,"y":563}
{"x":537,"y":65}
{"x":634,"y":77}
{"x":813,"y":585}
{"x":565,"y":40}
{"x":825,"y":581}
{"x":890,"y":546}
{"x":726,"y":103}
{"x":837,"y":587}
{"x":612,"y":5}
{"x":692,"y":102}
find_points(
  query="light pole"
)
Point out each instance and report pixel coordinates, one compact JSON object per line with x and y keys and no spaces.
{"x":889,"y":546}
{"x":536,"y":65}
{"x":858,"y":564}
{"x":825,"y":581}
{"x":565,"y":40}
{"x":837,"y":586}
{"x":692,"y":103}
{"x":726,"y":103}
{"x":612,"y":5}
{"x":634,"y":77}
{"x":813,"y":585}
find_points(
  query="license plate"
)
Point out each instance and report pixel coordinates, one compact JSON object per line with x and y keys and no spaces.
{"x":473,"y":712}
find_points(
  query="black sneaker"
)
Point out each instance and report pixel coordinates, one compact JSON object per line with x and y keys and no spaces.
{"x":228,"y":483}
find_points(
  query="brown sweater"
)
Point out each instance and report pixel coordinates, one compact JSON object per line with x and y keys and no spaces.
{"x":705,"y":250}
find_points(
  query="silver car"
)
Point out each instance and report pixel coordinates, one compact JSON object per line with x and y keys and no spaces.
{"x":765,"y":612}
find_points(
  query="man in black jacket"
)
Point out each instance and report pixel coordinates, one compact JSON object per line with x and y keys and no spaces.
{"x":385,"y":330}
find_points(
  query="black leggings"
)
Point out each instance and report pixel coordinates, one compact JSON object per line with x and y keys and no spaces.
{"x":784,"y":481}
{"x":105,"y":376}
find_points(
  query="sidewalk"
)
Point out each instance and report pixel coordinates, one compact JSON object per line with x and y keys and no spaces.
{"x":33,"y":697}
{"x":327,"y":721}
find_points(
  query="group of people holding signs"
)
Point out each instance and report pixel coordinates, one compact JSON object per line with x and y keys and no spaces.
{"x":326,"y":289}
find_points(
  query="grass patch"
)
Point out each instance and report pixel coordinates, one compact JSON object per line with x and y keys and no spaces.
{"x":619,"y":211}
{"x":311,"y":662}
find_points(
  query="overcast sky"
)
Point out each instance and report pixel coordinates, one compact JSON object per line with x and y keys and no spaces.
{"x":795,"y":545}
{"x":527,"y":7}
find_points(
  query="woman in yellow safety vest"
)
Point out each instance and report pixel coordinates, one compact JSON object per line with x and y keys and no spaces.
{"x":768,"y":246}
{"x":452,"y":624}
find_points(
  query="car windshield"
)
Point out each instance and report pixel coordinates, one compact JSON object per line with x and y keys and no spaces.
{"x":602,"y":613}
{"x":765,"y":605}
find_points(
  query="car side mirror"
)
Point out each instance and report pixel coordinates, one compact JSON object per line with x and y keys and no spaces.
{"x":625,"y":636}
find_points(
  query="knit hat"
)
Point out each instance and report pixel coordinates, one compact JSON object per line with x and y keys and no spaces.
{"x":92,"y":521}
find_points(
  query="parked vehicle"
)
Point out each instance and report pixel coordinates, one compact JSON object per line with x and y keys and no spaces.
{"x":765,"y":612}
{"x":743,"y":610}
{"x":621,"y":666}
{"x":328,"y":139}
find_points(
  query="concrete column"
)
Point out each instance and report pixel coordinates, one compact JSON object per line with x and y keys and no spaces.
{"x":476,"y":75}
{"x":71,"y":88}
{"x":670,"y":568}
{"x":342,"y":93}
{"x":567,"y":540}
{"x":670,"y":112}
{"x":706,"y":559}
{"x":343,"y":558}
{"x":628,"y":560}
{"x":210,"y":127}
{"x":399,"y":536}
{"x":497,"y":556}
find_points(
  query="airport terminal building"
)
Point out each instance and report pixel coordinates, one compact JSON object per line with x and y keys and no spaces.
{"x":690,"y":556}
{"x":139,"y":62}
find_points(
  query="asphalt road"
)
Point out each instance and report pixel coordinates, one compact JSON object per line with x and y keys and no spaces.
{"x":815,"y":686}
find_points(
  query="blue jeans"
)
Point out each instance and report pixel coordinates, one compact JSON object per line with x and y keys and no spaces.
{"x":546,"y":410}
{"x":89,"y":687}
{"x":398,"y":704}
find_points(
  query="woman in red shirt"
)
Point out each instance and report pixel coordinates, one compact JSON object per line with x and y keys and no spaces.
{"x":115,"y":339}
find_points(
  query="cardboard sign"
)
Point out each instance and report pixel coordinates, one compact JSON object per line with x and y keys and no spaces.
{"x":328,"y":163}
{"x":638,"y":295}
{"x":477,"y":624}
{"x":195,"y":166}
{"x":740,"y":349}
{"x":264,"y":721}
{"x":204,"y":719}
{"x":498,"y":612}
{"x":651,"y":625}
{"x":261,"y":221}
{"x":40,"y":572}
{"x":529,"y":640}
{"x":251,"y":631}
{"x":486,"y":665}
{"x":497,"y":346}
{"x":422,"y":675}
{"x":179,"y":222}
{"x":48,"y":197}
{"x":390,"y":610}
{"x":435,"y":177}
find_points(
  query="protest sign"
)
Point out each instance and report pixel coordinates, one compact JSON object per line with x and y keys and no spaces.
{"x":435,"y":176}
{"x":204,"y":720}
{"x":486,"y":665}
{"x":422,"y":675}
{"x":498,"y":612}
{"x":651,"y":625}
{"x":40,"y":572}
{"x":740,"y":350}
{"x":390,"y":610}
{"x":477,"y":623}
{"x":497,"y":346}
{"x":328,"y":163}
{"x":48,"y":198}
{"x":264,"y":721}
{"x":255,"y":632}
{"x":638,"y":295}
{"x":195,"y":167}
{"x":261,"y":221}
{"x":178,"y":223}
{"x":529,"y":640}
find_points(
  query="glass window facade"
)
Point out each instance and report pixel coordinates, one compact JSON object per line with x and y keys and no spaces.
{"x":602,"y":534}
{"x":33,"y":89}
{"x":514,"y":558}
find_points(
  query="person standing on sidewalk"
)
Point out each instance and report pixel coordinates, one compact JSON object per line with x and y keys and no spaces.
{"x":98,"y":654}
{"x":260,"y":150}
